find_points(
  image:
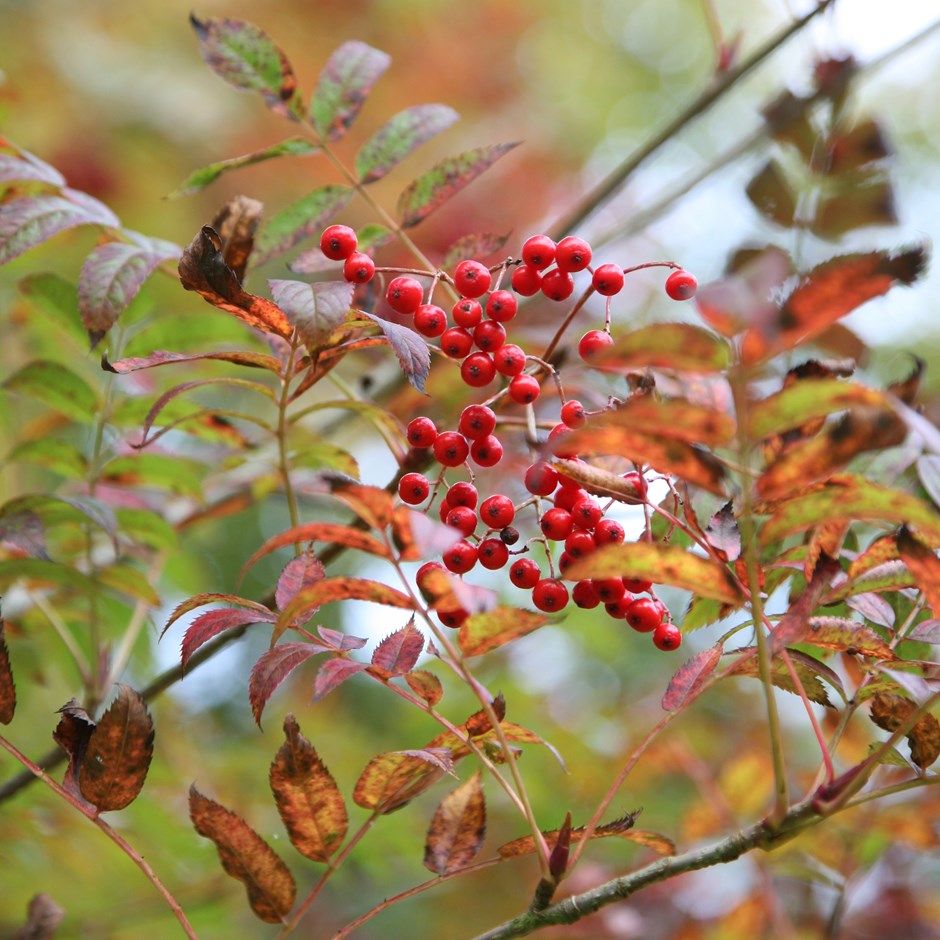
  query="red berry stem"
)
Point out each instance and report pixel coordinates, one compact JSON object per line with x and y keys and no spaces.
{"x":552,"y":371}
{"x":653,"y":264}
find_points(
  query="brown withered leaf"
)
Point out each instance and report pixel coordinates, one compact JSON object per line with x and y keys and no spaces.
{"x":118,"y":753}
{"x":246,"y":857}
{"x":526,"y":845}
{"x":487,"y":631}
{"x":392,"y":779}
{"x":479,"y":722}
{"x":794,"y":624}
{"x":598,"y":481}
{"x":689,"y":678}
{"x":43,"y":917}
{"x":908,"y":388}
{"x":868,"y":200}
{"x":923,"y":563}
{"x":397,"y":654}
{"x":457,"y":828}
{"x":672,"y":417}
{"x":425,"y":685}
{"x":850,"y":636}
{"x":825,"y":539}
{"x":808,"y":671}
{"x":859,"y":145}
{"x":7,"y":686}
{"x":308,"y":799}
{"x":236,"y":223}
{"x":71,"y":734}
{"x":203,"y":269}
{"x":722,"y":532}
{"x":891,"y":711}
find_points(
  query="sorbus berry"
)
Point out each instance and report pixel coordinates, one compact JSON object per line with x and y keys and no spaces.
{"x":540,"y":479}
{"x":637,"y":585}
{"x":509,"y":359}
{"x":413,"y":488}
{"x":560,"y":430}
{"x":442,"y":510}
{"x":497,"y":511}
{"x":501,"y":306}
{"x":462,"y":494}
{"x":618,"y":608}
{"x":586,"y":513}
{"x":451,"y":449}
{"x":422,"y":576}
{"x":549,"y":595}
{"x":667,"y":637}
{"x":472,"y":279}
{"x":608,"y":589}
{"x":593,"y":343}
{"x":526,"y":280}
{"x":538,"y":251}
{"x":453,"y":618}
{"x":509,"y":535}
{"x":338,"y":242}
{"x":524,"y":573}
{"x":661,"y":607}
{"x":478,"y":370}
{"x":359,"y":268}
{"x":524,"y":389}
{"x":456,"y":342}
{"x":569,"y":494}
{"x":489,"y":335}
{"x":493,"y":554}
{"x":637,"y":483}
{"x":404,"y":294}
{"x":467,"y":313}
{"x":460,"y":558}
{"x":430,"y":320}
{"x":680,"y":285}
{"x":584,"y":595}
{"x":462,"y":518}
{"x":579,"y":544}
{"x":421,"y":432}
{"x":556,"y":524}
{"x":557,"y":284}
{"x":608,"y":279}
{"x":487,"y":451}
{"x":572,"y":254}
{"x":572,"y":413}
{"x":608,"y":532}
{"x":565,"y":561}
{"x":643,"y":615}
{"x":477,"y":421}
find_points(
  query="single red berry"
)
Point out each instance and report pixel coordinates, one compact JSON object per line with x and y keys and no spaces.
{"x":540,"y":479}
{"x":487,"y":451}
{"x":584,"y":595}
{"x":565,"y":561}
{"x":661,"y":607}
{"x":489,"y":335}
{"x":467,"y":313}
{"x":421,"y":432}
{"x":493,"y":554}
{"x":608,"y":589}
{"x":556,"y":524}
{"x":667,"y":637}
{"x":538,"y":251}
{"x":456,"y":342}
{"x":638,"y":484}
{"x":526,"y":280}
{"x":618,"y":608}
{"x":430,"y":320}
{"x":453,"y":618}
{"x":569,"y":494}
{"x":463,"y":519}
{"x":524,"y":573}
{"x":586,"y":513}
{"x":477,"y":421}
{"x":451,"y":449}
{"x":580,"y":543}
{"x":524,"y":389}
{"x":643,"y":615}
{"x":359,"y":268}
{"x":680,"y":285}
{"x":472,"y":279}
{"x":549,"y":595}
{"x":338,"y":242}
{"x":572,"y":413}
{"x":478,"y":370}
{"x":572,"y":254}
{"x":460,"y":558}
{"x":462,"y":494}
{"x":501,"y":306}
{"x":404,"y":294}
{"x":557,"y":432}
{"x":509,"y":535}
{"x":442,"y":510}
{"x":593,"y":343}
{"x":608,"y":532}
{"x":637,"y":585}
{"x":497,"y":511}
{"x":423,"y":577}
{"x":413,"y":488}
{"x":557,"y":285}
{"x":509,"y":359}
{"x":608,"y":279}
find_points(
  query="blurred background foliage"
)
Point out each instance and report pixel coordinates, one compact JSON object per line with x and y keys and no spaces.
{"x":116,"y":96}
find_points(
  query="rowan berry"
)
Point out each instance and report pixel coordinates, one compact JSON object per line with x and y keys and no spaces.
{"x":493,"y":554}
{"x":453,"y":618}
{"x":618,"y":608}
{"x":487,"y":451}
{"x":472,"y":279}
{"x":593,"y":343}
{"x":680,"y":285}
{"x":421,"y":432}
{"x":637,"y":585}
{"x":404,"y":294}
{"x":338,"y":242}
{"x":572,"y":413}
{"x":463,"y":519}
{"x":667,"y":637}
{"x":572,"y":254}
{"x":509,"y":535}
{"x":608,"y":532}
{"x":460,"y":558}
{"x":442,"y":510}
{"x":430,"y":320}
{"x":467,"y":312}
{"x":501,"y":306}
{"x":643,"y":615}
{"x":586,"y":513}
{"x":422,"y":578}
{"x":608,"y":589}
{"x":584,"y":595}
{"x":489,"y":335}
{"x":637,"y":483}
{"x":524,"y":573}
{"x":477,"y":421}
{"x":608,"y":279}
{"x":580,"y":543}
{"x":497,"y":511}
{"x":413,"y":488}
{"x":509,"y":359}
{"x":549,"y":595}
{"x":524,"y":389}
{"x":538,"y":251}
{"x":556,"y":524}
{"x":557,"y":284}
{"x":451,"y":449}
{"x":456,"y":342}
{"x":478,"y":370}
{"x":359,"y":268}
{"x":526,"y":280}
{"x":569,"y":494}
{"x":462,"y":494}
{"x":565,"y":561}
{"x":540,"y":479}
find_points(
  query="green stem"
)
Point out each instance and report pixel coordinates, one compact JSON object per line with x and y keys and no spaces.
{"x":283,"y":457}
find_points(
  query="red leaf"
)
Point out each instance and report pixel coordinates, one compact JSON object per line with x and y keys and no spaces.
{"x":201,"y":600}
{"x":333,"y":673}
{"x":214,"y":622}
{"x":923,"y":564}
{"x":689,"y":678}
{"x":273,"y":668}
{"x":299,"y":573}
{"x":161,"y":357}
{"x":7,"y":687}
{"x":341,"y":642}
{"x":398,"y":652}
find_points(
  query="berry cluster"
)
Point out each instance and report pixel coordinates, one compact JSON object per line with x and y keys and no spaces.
{"x":565,"y":514}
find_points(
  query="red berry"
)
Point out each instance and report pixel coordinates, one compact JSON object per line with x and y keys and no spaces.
{"x":579,"y":544}
{"x":572,"y":254}
{"x":477,"y":421}
{"x":560,"y":430}
{"x":638,"y":483}
{"x":487,"y":451}
{"x":509,"y":359}
{"x":584,"y":595}
{"x":569,"y":494}
{"x":565,"y":561}
{"x":608,"y":532}
{"x":497,"y":511}
{"x":404,"y":294}
{"x":586,"y":513}
{"x":460,"y":558}
{"x":421,"y":432}
{"x":359,"y":268}
{"x":442,"y":510}
{"x":608,"y":589}
{"x":493,"y":554}
{"x":422,"y":577}
{"x":556,"y":524}
{"x":338,"y":242}
{"x":538,"y":251}
{"x":478,"y":370}
{"x":413,"y":488}
{"x":593,"y":343}
{"x":489,"y":335}
{"x":680,"y":285}
{"x":467,"y":313}
{"x":524,"y":573}
{"x":462,"y":518}
{"x":643,"y":615}
{"x":637,"y":585}
{"x":501,"y":306}
{"x":667,"y":637}
{"x":462,"y":494}
{"x":540,"y":479}
{"x":549,"y":595}
{"x":526,"y":281}
{"x":524,"y":389}
{"x":618,"y":608}
{"x":509,"y":535}
{"x":572,"y":413}
{"x":430,"y":320}
{"x":456,"y":342}
{"x":557,"y":284}
{"x":608,"y":279}
{"x":451,"y":449}
{"x":472,"y":279}
{"x":453,"y":618}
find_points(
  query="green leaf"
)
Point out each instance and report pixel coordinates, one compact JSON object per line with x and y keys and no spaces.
{"x":298,"y":221}
{"x":807,"y":669}
{"x":205,"y":175}
{"x":54,"y":297}
{"x":702,"y":612}
{"x":53,"y":454}
{"x":317,"y":309}
{"x":403,"y":133}
{"x":40,"y":571}
{"x":317,"y":453}
{"x":56,"y":386}
{"x":667,"y":346}
{"x":129,"y":581}
{"x":161,"y":471}
{"x":146,"y":528}
{"x":444,"y":180}
{"x":343,"y":86}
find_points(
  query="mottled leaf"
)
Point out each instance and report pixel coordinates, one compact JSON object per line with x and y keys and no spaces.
{"x":425,"y":685}
{"x":680,"y":346}
{"x":298,"y":574}
{"x":671,"y":417}
{"x":212,"y":623}
{"x":807,"y":669}
{"x":394,"y":778}
{"x":397,"y":138}
{"x":56,"y":386}
{"x":251,"y":360}
{"x":343,"y":86}
{"x":399,"y":651}
{"x":526,"y":845}
{"x":333,"y":673}
{"x":21,"y":166}
{"x":487,"y":631}
{"x":72,"y":734}
{"x":868,"y":201}
{"x":792,"y":627}
{"x":923,"y":563}
{"x":273,"y":668}
{"x":316,"y":310}
{"x":7,"y":686}
{"x":236,"y":223}
{"x":837,"y":633}
{"x":457,"y":828}
{"x":689,"y":678}
{"x":410,"y":347}
{"x":771,"y":194}
{"x":246,"y":857}
{"x":301,"y":219}
{"x":722,"y":533}
{"x":892,"y":711}
{"x":476,"y":246}
{"x":201,"y":600}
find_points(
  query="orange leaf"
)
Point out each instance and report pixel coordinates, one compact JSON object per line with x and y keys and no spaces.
{"x":923,"y":564}
{"x":670,"y":417}
{"x":891,"y":711}
{"x":394,"y":778}
{"x":487,"y":631}
{"x":837,"y":633}
{"x":425,"y":685}
{"x":457,"y":828}
{"x":526,"y":844}
{"x":373,"y":505}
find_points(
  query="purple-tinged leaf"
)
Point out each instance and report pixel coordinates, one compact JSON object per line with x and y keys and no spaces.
{"x":339,"y":641}
{"x":333,"y":673}
{"x":928,"y":470}
{"x":873,"y":607}
{"x":273,"y":668}
{"x":689,"y":678}
{"x":201,"y":600}
{"x":401,"y":135}
{"x":298,"y":573}
{"x":212,"y":623}
{"x":399,"y":651}
{"x":722,"y":533}
{"x":251,"y":360}
{"x":927,"y":631}
{"x":916,"y":686}
{"x":794,"y":624}
{"x":299,"y":220}
{"x":25,"y":167}
{"x":316,"y":310}
{"x":444,"y":180}
{"x":343,"y":86}
{"x":417,"y":536}
{"x":476,"y":247}
{"x":7,"y":686}
{"x":410,"y":348}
